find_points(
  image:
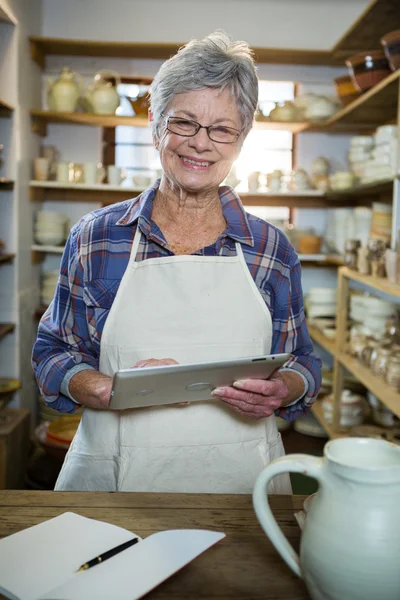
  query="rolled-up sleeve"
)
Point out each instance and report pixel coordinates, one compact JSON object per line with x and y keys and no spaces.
{"x":290,"y":334}
{"x":63,"y":339}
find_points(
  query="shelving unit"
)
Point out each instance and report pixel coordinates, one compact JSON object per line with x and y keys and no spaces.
{"x":318,"y":413}
{"x":109,"y":194}
{"x":321,"y":339}
{"x":6,"y":258}
{"x":6,"y":184}
{"x":379,"y":17}
{"x":43,"y":46}
{"x":6,"y":328}
{"x":42,"y":118}
{"x":6,"y":109}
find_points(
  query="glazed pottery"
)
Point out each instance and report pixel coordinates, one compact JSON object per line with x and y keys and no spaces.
{"x":64,"y":93}
{"x":101,"y":96}
{"x":350,"y":546}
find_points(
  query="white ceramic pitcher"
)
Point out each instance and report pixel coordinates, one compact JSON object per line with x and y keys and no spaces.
{"x":350,"y":545}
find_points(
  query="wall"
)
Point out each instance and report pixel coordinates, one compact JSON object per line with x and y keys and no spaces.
{"x":22,"y":91}
{"x":266,"y":23}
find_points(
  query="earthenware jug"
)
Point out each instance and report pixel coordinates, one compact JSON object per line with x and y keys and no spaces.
{"x":350,"y":545}
{"x":101,"y":96}
{"x":64,"y":93}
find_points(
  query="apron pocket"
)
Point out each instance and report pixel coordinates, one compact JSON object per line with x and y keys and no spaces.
{"x":88,"y":473}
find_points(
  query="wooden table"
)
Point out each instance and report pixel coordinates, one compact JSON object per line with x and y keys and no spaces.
{"x":242,"y":566}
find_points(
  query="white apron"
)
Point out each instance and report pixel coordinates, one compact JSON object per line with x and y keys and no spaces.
{"x":189,"y":308}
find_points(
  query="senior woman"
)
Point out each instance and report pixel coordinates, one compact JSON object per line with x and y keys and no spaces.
{"x":180,"y":274}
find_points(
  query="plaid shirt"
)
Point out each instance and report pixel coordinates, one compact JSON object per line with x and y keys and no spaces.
{"x":96,"y":256}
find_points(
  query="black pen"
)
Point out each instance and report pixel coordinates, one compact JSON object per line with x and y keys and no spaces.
{"x":102,"y":557}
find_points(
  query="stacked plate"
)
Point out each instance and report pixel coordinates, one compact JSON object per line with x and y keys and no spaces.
{"x":48,"y":286}
{"x":321,"y":302}
{"x":50,"y":228}
{"x":372,"y":313}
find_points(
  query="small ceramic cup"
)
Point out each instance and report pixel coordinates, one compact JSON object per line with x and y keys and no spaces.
{"x":41,"y":168}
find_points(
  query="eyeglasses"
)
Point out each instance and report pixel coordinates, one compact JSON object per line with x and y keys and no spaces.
{"x":187,"y":128}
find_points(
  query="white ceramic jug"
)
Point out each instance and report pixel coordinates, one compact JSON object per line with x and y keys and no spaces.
{"x":350,"y":545}
{"x":63,"y":94}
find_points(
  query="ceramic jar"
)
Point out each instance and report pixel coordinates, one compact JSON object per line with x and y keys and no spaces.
{"x":393,"y":372}
{"x":101,"y":96}
{"x":285,"y":111}
{"x":64,"y":93}
{"x":379,"y":360}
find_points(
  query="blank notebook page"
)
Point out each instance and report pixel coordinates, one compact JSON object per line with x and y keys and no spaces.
{"x":40,"y":558}
{"x":139,"y":569}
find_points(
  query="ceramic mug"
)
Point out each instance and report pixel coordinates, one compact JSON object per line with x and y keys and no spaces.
{"x":41,"y":168}
{"x":62,"y":172}
{"x":114,"y":175}
{"x":90,"y":173}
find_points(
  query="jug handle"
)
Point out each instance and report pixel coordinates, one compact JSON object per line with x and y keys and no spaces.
{"x":113,"y":74}
{"x":311,"y":466}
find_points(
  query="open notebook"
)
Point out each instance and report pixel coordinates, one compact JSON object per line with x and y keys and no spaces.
{"x":40,"y":563}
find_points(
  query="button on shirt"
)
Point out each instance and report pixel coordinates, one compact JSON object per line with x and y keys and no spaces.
{"x":95,"y":258}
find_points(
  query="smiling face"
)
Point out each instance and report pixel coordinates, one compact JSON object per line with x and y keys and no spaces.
{"x":197,"y":164}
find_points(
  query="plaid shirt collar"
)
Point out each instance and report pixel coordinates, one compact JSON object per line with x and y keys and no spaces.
{"x":238,"y":226}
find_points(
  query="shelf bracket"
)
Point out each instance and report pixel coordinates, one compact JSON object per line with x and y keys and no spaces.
{"x":39,"y":127}
{"x":37,"y":54}
{"x":37,"y":257}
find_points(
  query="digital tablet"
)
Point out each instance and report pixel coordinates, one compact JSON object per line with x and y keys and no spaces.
{"x":193,"y":382}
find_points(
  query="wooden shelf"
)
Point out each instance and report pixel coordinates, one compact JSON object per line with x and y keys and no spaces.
{"x":362,"y":115}
{"x":43,"y":46}
{"x":377,"y":188}
{"x":382,"y":285}
{"x":318,"y":413}
{"x":367,"y":112}
{"x":321,"y":339}
{"x":6,"y":17}
{"x":6,"y":328}
{"x":39,"y":312}
{"x":41,"y":118}
{"x":386,"y":394}
{"x":6,"y":109}
{"x":6,"y":258}
{"x":378,"y":18}
{"x":38,"y":252}
{"x":6,"y":184}
{"x":106,"y":194}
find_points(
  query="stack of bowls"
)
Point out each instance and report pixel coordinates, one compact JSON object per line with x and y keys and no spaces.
{"x":48,"y":286}
{"x":383,"y":161}
{"x":352,"y":408}
{"x":381,"y":221}
{"x":321,"y":302}
{"x":361,"y":147}
{"x":372,"y":313}
{"x":50,"y":228}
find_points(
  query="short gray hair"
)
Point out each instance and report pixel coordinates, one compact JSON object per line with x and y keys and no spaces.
{"x":214,"y":62}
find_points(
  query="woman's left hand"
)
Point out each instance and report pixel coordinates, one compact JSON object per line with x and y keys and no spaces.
{"x":254,"y":398}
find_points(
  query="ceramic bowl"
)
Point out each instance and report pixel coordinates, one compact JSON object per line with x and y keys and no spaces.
{"x":368,"y":68}
{"x":391,"y":46}
{"x":345,"y":88}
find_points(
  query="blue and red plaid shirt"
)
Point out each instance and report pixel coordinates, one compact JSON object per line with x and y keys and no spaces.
{"x":96,"y":256}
